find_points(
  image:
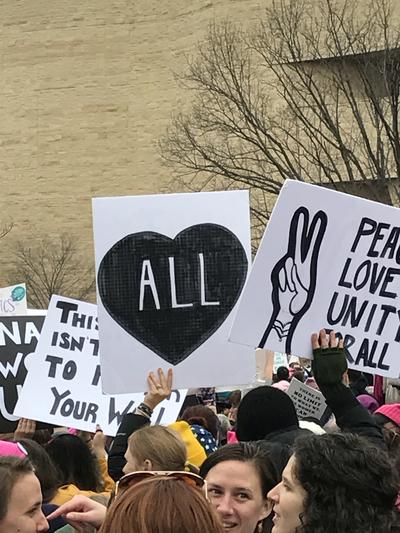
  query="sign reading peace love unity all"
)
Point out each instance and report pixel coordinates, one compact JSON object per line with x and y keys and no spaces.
{"x":170,"y":270}
{"x":331,"y":260}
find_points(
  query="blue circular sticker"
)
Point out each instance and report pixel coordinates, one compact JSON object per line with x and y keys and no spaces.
{"x":18,"y":293}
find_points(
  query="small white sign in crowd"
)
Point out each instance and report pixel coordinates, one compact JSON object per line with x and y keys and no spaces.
{"x":307,"y":401}
{"x":13,"y":300}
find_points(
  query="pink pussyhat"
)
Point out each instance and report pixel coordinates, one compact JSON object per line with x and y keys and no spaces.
{"x":391,"y":411}
{"x":231,"y":437}
{"x":12,"y":448}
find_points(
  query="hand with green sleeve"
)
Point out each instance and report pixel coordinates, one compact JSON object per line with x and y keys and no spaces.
{"x":329,"y":364}
{"x":329,"y":368}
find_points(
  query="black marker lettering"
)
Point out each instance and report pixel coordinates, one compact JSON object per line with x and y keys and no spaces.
{"x":367,"y":227}
{"x":78,"y":320}
{"x":70,"y":370}
{"x":96,"y":377}
{"x":95,"y":343}
{"x":348,"y":341}
{"x":54,"y":361}
{"x":333,"y":321}
{"x":391,"y":243}
{"x":370,"y":317}
{"x":360,"y":283}
{"x":57,"y":399}
{"x":66,"y":309}
{"x":113,"y":413}
{"x":377,"y":237}
{"x":342,"y":280}
{"x":391,"y":272}
{"x":351,"y":312}
{"x":92,"y":412}
{"x":387,"y":309}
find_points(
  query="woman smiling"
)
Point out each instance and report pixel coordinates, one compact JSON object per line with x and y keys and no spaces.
{"x":239,"y":477}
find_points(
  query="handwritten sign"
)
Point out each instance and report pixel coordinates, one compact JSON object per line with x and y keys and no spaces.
{"x":18,"y":340}
{"x":330,"y":260}
{"x":307,"y":401}
{"x":13,"y":300}
{"x":63,"y":386}
{"x":170,"y":270}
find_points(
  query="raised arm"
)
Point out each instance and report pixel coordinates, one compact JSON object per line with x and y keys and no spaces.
{"x":159,"y":388}
{"x":329,"y":368}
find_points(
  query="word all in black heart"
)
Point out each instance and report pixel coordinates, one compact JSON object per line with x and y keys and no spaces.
{"x":173,"y":294}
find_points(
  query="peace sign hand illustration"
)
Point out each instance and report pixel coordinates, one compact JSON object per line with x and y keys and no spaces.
{"x":294,"y":276}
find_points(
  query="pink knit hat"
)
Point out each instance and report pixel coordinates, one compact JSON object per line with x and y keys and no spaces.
{"x":368,"y":402}
{"x":391,"y":411}
{"x":12,"y":448}
{"x":231,"y":437}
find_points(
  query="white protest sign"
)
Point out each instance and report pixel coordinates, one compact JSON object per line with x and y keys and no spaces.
{"x":115,"y":407}
{"x":332,"y":260}
{"x":13,"y":300}
{"x":307,"y":401}
{"x":63,"y":382}
{"x":170,"y":269}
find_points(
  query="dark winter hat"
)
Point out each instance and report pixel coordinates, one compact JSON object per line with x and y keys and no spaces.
{"x":262,"y":411}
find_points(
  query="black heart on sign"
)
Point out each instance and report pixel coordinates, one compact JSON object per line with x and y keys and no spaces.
{"x":208,"y":265}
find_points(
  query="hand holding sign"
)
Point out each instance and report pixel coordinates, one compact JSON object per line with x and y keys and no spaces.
{"x":25,"y":429}
{"x":160,"y":388}
{"x":325,"y":339}
{"x":329,"y":363}
{"x":99,"y":443}
{"x":294,"y":275}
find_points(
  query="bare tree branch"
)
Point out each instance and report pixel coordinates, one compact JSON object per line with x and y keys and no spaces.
{"x":51,"y":267}
{"x":311,"y":93}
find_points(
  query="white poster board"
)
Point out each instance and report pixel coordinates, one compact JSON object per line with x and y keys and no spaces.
{"x":63,"y":384}
{"x":13,"y":300}
{"x":307,"y":401}
{"x":327,"y":260}
{"x":170,"y":270}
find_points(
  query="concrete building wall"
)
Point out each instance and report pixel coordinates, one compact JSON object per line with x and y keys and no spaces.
{"x":86,"y":89}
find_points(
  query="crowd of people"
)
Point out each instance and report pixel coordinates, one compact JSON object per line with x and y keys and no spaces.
{"x":251,"y":467}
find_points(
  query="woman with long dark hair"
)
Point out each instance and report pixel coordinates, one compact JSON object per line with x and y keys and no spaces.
{"x":79,"y":470}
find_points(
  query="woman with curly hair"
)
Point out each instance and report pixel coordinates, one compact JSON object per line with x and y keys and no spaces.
{"x":336,"y":483}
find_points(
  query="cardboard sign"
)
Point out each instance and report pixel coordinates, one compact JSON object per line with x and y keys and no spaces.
{"x":63,"y":383}
{"x":327,"y":260}
{"x":18,"y":340}
{"x":13,"y":300}
{"x":307,"y":401}
{"x":170,"y":270}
